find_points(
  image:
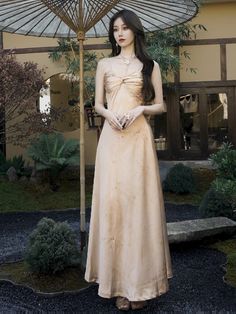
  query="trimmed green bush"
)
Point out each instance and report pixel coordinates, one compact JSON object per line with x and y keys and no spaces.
{"x":215,"y":203}
{"x":225,"y":161}
{"x":227,"y":188}
{"x":52,"y":247}
{"x":180,"y":180}
{"x":220,"y":199}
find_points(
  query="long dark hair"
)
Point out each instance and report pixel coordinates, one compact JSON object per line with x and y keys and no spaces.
{"x":133,"y":22}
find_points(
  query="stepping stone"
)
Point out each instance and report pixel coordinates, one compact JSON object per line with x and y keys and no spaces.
{"x":197,"y":229}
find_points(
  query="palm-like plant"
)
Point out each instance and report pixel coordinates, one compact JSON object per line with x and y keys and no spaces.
{"x":53,"y":153}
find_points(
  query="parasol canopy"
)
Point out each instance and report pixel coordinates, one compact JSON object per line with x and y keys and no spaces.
{"x":63,"y":18}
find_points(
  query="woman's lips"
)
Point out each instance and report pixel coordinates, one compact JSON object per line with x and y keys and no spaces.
{"x":121,"y":40}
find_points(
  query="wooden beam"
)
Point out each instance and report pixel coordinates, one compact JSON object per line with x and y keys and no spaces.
{"x":1,"y":41}
{"x":229,"y":83}
{"x":223,"y":65}
{"x":195,"y":42}
{"x":214,"y":41}
{"x":203,"y":110}
{"x":177,"y":74}
{"x":173,"y":122}
{"x":52,"y":48}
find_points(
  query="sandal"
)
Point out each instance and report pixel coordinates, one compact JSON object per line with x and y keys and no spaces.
{"x":137,"y":305}
{"x":122,"y":303}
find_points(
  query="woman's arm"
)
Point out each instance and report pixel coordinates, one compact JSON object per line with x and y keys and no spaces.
{"x":99,"y":89}
{"x":99,"y":98}
{"x":158,"y":106}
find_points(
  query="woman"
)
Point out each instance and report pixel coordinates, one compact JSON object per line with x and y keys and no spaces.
{"x":128,"y":249}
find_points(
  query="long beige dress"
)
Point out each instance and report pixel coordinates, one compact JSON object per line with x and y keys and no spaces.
{"x":128,"y":250}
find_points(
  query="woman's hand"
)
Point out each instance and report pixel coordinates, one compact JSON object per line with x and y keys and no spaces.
{"x":113,"y":120}
{"x":129,"y":117}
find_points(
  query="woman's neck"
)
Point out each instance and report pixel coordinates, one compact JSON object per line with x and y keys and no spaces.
{"x":127,"y":52}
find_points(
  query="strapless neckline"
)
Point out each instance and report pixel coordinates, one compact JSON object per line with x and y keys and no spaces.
{"x":138,"y":73}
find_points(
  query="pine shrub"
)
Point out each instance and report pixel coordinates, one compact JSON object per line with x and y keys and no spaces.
{"x":225,"y":161}
{"x":214,"y":204}
{"x":52,"y":247}
{"x":220,"y":199}
{"x":180,"y":180}
{"x":227,"y":188}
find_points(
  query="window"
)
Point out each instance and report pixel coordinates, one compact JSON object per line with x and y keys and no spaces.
{"x":189,"y":122}
{"x":217,"y":112}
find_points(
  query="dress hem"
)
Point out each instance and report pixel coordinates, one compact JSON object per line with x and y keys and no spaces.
{"x":116,"y":294}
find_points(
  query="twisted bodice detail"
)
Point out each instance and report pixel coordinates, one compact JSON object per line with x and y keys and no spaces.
{"x":123,"y":84}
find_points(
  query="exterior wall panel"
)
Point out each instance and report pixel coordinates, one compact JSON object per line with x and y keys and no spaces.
{"x":206,"y":60}
{"x":231,"y":61}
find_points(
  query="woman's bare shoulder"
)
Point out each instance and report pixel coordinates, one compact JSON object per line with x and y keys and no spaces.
{"x":105,"y":60}
{"x":104,"y":63}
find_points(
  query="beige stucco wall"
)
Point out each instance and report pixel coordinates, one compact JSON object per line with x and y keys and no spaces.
{"x":231,"y":61}
{"x":44,"y":62}
{"x":206,"y":60}
{"x":11,"y":41}
{"x":219,"y":19}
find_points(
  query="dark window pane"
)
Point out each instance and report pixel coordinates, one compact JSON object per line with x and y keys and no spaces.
{"x":189,"y":122}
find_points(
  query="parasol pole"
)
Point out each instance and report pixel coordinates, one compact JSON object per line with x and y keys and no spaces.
{"x":81,"y":38}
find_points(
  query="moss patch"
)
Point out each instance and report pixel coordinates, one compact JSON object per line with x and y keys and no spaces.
{"x":29,"y":197}
{"x":71,"y":279}
{"x":203,"y":178}
{"x":229,"y":248}
{"x":19,"y":196}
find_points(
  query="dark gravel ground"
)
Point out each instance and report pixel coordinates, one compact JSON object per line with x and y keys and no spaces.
{"x":16,"y":227}
{"x":197,"y":285}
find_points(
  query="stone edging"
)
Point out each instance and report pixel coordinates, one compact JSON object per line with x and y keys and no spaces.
{"x":48,"y":294}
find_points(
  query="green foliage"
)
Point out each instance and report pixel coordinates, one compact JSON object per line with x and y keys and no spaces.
{"x":161,"y":46}
{"x":215,"y":204}
{"x":220,"y":200}
{"x":225,"y":161}
{"x":68,"y":52}
{"x":232,"y":260}
{"x":227,"y":188}
{"x":17,"y":162}
{"x":53,"y":153}
{"x":180,"y":180}
{"x":52,"y":247}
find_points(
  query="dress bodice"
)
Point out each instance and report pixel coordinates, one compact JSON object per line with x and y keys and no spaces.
{"x":123,"y":84}
{"x":132,"y":82}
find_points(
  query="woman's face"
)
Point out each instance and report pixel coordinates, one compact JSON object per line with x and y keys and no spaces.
{"x":123,"y":35}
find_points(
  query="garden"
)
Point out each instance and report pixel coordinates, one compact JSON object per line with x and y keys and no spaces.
{"x":50,"y":260}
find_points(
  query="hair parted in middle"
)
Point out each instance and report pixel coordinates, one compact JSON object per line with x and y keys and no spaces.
{"x":132,"y":21}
